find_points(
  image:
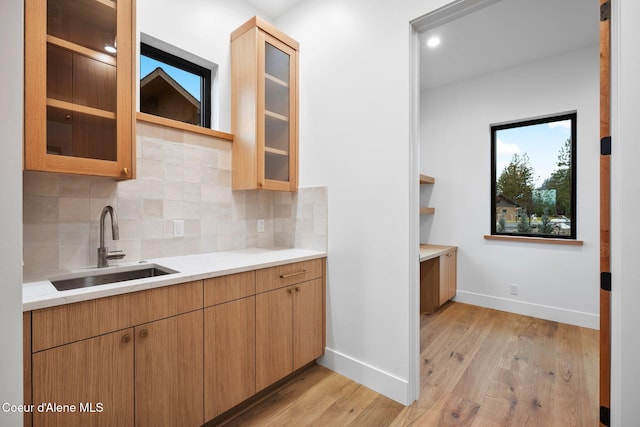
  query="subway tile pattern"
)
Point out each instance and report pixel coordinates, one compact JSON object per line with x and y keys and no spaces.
{"x":180,"y":176}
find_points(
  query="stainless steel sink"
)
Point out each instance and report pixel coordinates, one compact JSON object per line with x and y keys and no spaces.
{"x":110,"y":275}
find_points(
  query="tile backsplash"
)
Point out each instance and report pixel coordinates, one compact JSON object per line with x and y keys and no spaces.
{"x":180,"y":176}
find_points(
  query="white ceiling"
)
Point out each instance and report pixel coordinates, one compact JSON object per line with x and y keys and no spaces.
{"x":273,"y":8}
{"x":505,"y":34}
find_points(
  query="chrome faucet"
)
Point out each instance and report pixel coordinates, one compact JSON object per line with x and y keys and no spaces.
{"x":103,"y":253}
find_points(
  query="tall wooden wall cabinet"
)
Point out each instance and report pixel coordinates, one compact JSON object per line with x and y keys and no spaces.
{"x":264,"y":107}
{"x":79,"y":96}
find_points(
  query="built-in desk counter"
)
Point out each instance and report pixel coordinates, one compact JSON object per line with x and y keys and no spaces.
{"x":434,"y":251}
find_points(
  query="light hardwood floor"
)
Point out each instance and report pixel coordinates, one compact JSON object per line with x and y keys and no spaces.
{"x":480,"y":367}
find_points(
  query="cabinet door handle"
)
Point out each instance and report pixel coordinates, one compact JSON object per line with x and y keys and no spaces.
{"x":289,"y":290}
{"x":297,"y":288}
{"x":144,"y":333}
{"x":286,"y":276}
{"x":126,"y":338}
{"x":125,"y":171}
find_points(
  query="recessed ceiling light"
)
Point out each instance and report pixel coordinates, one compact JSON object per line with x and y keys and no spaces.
{"x":433,"y":41}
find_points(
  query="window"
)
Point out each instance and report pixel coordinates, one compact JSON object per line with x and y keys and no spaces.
{"x":174,"y":87}
{"x":533,"y":177}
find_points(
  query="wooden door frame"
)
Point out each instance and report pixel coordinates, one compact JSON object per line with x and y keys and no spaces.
{"x":605,"y":215}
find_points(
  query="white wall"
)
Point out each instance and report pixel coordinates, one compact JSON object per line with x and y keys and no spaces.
{"x":354,"y":133}
{"x":625,"y":186}
{"x":11,"y":217}
{"x":556,"y":282}
{"x":204,"y":30}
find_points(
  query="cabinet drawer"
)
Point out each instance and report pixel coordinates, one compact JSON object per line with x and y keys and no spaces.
{"x":218,"y":290}
{"x":288,"y":274}
{"x":72,"y":322}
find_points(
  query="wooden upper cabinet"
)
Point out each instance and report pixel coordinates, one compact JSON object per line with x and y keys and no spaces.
{"x":78,"y":96}
{"x":264,"y":104}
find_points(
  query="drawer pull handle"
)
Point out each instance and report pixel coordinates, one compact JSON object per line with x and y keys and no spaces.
{"x":289,"y":290}
{"x":126,"y":338}
{"x":286,"y":276}
{"x":144,"y":333}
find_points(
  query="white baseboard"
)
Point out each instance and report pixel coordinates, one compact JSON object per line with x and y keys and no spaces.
{"x":383,"y":382}
{"x":557,"y":314}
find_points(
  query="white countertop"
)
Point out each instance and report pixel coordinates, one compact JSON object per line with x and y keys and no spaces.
{"x":43,"y":294}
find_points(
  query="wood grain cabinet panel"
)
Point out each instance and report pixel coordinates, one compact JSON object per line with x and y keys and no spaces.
{"x":26,"y":368}
{"x":274,"y":336}
{"x":288,"y":274}
{"x":438,"y":281}
{"x":96,"y":372}
{"x":289,"y":330}
{"x":447,"y":288}
{"x":90,"y":318}
{"x":308,"y":322}
{"x":229,"y":355}
{"x":169,"y":372}
{"x":218,"y":290}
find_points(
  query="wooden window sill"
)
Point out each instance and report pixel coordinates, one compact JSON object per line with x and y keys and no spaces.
{"x":162,"y":121}
{"x":527,"y":239}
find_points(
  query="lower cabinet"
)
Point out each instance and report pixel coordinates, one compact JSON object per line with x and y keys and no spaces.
{"x":229,"y":355}
{"x":289,"y":330}
{"x":308,"y":322}
{"x":447,"y":285}
{"x":127,"y":360}
{"x":169,"y":372}
{"x":99,"y":376}
{"x":438,"y":281}
{"x":274,"y":336}
{"x":95,"y":375}
{"x":179,"y":355}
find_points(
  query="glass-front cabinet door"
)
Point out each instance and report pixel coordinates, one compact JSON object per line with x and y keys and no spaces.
{"x":279,"y":111}
{"x":78,"y":86}
{"x":264,"y":108}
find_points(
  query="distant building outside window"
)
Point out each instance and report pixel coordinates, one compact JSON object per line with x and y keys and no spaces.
{"x":174,"y":87}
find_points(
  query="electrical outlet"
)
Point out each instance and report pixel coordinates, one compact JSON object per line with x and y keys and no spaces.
{"x":178,"y":228}
{"x":513,"y":289}
{"x":261,"y":226}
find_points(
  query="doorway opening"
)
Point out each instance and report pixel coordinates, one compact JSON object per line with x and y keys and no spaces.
{"x":490,"y":45}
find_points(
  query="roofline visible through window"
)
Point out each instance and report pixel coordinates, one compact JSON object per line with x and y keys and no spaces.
{"x":183,"y":64}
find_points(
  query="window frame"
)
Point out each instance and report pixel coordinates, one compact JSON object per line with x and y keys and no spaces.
{"x":186,"y":65}
{"x":573,"y":117}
